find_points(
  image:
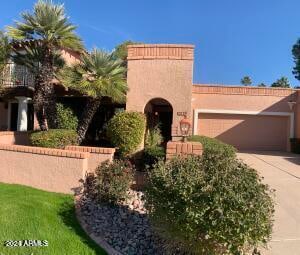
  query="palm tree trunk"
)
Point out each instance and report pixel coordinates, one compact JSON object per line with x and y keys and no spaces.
{"x":48,"y":91}
{"x":50,"y":106}
{"x":87,"y":116}
{"x":38,"y":104}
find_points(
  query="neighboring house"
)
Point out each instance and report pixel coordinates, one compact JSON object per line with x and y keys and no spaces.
{"x":160,"y":80}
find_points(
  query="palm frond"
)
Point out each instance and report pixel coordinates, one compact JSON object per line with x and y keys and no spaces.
{"x":98,"y":75}
{"x":49,"y":23}
{"x":33,"y":56}
{"x":5,"y":47}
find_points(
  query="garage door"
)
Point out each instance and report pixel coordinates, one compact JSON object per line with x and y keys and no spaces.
{"x":246,"y":132}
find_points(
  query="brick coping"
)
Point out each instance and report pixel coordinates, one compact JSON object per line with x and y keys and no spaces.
{"x":163,"y":45}
{"x":45,"y":151}
{"x":101,"y":150}
{"x":13,"y":132}
{"x":240,"y":86}
{"x":160,"y":52}
{"x":241,"y":90}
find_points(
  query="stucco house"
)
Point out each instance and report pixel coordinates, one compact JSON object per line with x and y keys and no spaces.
{"x":160,"y":81}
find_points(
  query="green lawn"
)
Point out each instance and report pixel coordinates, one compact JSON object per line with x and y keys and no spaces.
{"x":27,"y":213}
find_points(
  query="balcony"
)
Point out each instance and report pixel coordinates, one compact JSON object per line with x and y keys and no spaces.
{"x":16,"y":76}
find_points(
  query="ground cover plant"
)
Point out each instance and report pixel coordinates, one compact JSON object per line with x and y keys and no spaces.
{"x":113,"y":181}
{"x":28,"y":213}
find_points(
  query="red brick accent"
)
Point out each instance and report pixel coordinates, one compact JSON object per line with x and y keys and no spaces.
{"x":183,"y":149}
{"x":44,"y":151}
{"x":160,"y":51}
{"x":239,"y":90}
{"x":100,"y":150}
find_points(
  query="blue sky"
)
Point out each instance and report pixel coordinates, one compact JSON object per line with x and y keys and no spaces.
{"x":233,"y":38}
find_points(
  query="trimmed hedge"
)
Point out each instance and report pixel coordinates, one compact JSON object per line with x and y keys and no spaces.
{"x":66,"y":118}
{"x":199,"y":209}
{"x":126,"y":131}
{"x":54,"y":138}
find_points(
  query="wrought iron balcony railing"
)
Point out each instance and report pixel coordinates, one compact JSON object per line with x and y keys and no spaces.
{"x":15,"y":75}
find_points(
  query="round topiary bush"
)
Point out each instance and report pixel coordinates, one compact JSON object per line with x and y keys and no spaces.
{"x":204,"y":210}
{"x":54,"y":138}
{"x":66,"y":118}
{"x":126,"y":131}
{"x":113,"y":180}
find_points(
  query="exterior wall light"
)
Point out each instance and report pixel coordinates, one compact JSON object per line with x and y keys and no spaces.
{"x":185,"y":126}
{"x":291,"y":104}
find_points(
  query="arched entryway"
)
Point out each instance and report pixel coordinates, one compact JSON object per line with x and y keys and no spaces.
{"x":160,"y":111}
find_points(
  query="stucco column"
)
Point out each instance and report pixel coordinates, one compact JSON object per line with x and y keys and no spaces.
{"x":22,"y":113}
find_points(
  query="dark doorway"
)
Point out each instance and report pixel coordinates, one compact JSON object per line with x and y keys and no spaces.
{"x":14,"y":116}
{"x":30,"y":117}
{"x":160,"y":112}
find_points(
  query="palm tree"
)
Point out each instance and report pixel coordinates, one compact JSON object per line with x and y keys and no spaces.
{"x":49,"y":25}
{"x":98,"y":75}
{"x":32,"y":57}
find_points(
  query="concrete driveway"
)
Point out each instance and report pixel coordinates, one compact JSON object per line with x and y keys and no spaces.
{"x":282,"y":172}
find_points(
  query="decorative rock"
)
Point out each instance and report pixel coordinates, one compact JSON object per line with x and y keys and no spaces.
{"x":125,"y":227}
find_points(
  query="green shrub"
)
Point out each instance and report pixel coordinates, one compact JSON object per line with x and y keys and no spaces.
{"x":215,"y":152}
{"x":152,"y":155}
{"x":66,"y":117}
{"x":54,"y":138}
{"x":113,"y":181}
{"x":126,"y":131}
{"x":153,"y":137}
{"x":203,"y":210}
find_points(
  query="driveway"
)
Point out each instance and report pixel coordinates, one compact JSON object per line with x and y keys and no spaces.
{"x":282,"y":172}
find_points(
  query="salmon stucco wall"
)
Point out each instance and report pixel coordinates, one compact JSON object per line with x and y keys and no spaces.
{"x":242,"y":98}
{"x":97,"y":155}
{"x":48,"y":169}
{"x":160,"y":71}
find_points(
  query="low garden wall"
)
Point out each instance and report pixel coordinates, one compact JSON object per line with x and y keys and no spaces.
{"x":14,"y":137}
{"x":97,"y":155}
{"x":48,"y":169}
{"x":56,"y":170}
